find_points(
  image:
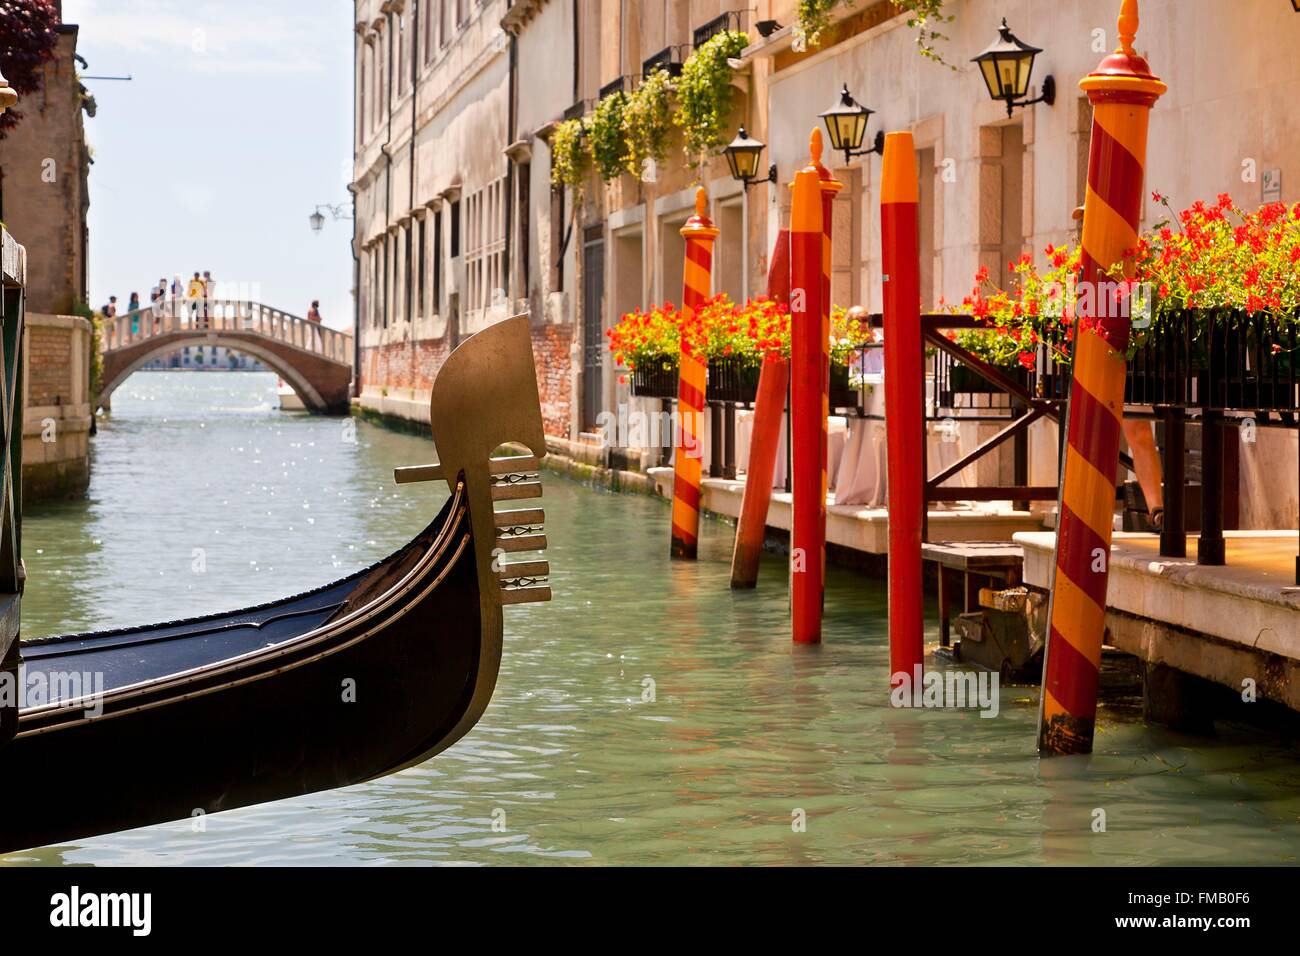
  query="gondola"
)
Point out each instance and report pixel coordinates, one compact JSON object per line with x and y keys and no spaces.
{"x":352,"y":681}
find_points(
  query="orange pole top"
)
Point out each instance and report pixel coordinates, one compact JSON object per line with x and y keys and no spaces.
{"x":898,"y":182}
{"x":1124,"y":76}
{"x":700,"y":226}
{"x":829,"y":183}
{"x":806,"y":205}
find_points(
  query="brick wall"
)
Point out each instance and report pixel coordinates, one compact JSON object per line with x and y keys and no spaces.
{"x":551,"y":345}
{"x":49,"y":360}
{"x":407,"y":370}
{"x":403,"y":364}
{"x":57,"y":412}
{"x":43,"y":161}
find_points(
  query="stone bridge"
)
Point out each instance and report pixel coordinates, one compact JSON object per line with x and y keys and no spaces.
{"x":315,"y":361}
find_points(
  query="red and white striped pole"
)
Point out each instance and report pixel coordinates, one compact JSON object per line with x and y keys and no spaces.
{"x":807,"y":409}
{"x":904,"y":402}
{"x":699,"y":233}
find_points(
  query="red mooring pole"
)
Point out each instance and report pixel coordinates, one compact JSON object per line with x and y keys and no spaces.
{"x":769,"y":406}
{"x":829,"y":187}
{"x":904,"y":401}
{"x":807,"y":409}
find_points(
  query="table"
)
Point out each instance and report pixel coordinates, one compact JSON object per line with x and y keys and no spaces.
{"x":997,"y":561}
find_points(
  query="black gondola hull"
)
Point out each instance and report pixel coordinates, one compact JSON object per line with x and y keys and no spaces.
{"x":382,"y":687}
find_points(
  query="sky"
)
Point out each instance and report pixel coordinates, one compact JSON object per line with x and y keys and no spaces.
{"x":236,"y":124}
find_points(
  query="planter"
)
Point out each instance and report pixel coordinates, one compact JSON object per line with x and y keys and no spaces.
{"x":1221,"y":360}
{"x":963,"y":378}
{"x":654,"y":381}
{"x":841,"y":394}
{"x":733,"y":380}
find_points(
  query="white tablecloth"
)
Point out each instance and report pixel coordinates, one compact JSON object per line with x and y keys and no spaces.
{"x":837,"y":437}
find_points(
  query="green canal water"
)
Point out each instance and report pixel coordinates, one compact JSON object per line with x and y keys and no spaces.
{"x":648,"y":715}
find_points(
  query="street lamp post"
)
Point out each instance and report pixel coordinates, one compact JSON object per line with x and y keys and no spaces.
{"x":846,"y":123}
{"x":1007,"y":66}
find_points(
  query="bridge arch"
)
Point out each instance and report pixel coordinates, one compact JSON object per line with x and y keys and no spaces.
{"x":293,"y":377}
{"x":315,"y":360}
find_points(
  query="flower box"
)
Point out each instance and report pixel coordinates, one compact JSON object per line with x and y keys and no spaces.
{"x":842,"y":395}
{"x":963,"y":378}
{"x":733,"y":380}
{"x":653,"y":380}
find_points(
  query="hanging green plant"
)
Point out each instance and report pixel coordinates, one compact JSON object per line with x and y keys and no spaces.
{"x":570,"y":158}
{"x":608,"y":146}
{"x":647,"y":122}
{"x":814,"y":16}
{"x":704,"y":94}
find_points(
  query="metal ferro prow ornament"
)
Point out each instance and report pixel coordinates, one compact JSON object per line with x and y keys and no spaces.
{"x":485,"y":396}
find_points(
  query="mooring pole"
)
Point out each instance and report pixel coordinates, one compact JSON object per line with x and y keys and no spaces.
{"x":807,"y":409}
{"x":904,"y":400}
{"x":1122,"y":91}
{"x":699,"y":234}
{"x":769,"y":408}
{"x":830,"y":186}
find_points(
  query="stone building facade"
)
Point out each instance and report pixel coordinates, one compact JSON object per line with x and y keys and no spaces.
{"x":44,"y":198}
{"x":437,"y":196}
{"x":993,"y":186}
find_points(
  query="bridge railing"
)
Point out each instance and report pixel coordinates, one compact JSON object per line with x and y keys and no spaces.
{"x":226,"y":315}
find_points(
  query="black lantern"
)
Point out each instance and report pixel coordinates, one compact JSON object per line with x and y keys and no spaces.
{"x":317,"y":220}
{"x":846,"y":123}
{"x":742,"y":156}
{"x":1007,"y":66}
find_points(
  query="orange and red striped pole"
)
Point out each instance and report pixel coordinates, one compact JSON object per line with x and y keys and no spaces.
{"x":1122,"y":91}
{"x":699,"y":233}
{"x":829,"y":187}
{"x":769,"y":404}
{"x":904,"y":401}
{"x":807,"y":409}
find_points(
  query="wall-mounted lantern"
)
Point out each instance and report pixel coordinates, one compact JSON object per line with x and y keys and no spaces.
{"x":1007,"y":66}
{"x":846,"y":123}
{"x":743,"y":154}
{"x":317,"y":218}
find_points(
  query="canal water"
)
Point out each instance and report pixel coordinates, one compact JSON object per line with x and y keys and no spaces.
{"x":648,"y":715}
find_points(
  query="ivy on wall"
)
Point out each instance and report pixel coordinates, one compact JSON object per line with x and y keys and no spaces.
{"x":704,"y":94}
{"x":814,"y":16}
{"x":626,"y":129}
{"x":647,"y":122}
{"x":608,"y":142}
{"x":570,"y":157}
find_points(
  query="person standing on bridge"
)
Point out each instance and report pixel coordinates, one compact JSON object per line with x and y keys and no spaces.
{"x":209,"y":293}
{"x":157,"y":297}
{"x":193,"y":295}
{"x":133,"y":310}
{"x":313,"y":315}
